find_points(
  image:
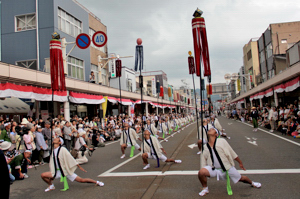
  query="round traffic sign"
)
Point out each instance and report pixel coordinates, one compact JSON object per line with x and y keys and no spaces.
{"x":99,"y":39}
{"x":83,"y":41}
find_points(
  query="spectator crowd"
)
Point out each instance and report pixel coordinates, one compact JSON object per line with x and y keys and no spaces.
{"x":284,"y":119}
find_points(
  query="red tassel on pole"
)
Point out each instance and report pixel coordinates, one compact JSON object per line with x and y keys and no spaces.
{"x":161,"y":94}
{"x":118,"y":68}
{"x":57,"y":66}
{"x":200,"y":45}
{"x":191,"y":65}
{"x":210,"y":89}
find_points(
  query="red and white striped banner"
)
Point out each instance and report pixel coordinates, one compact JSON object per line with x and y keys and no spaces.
{"x":83,"y":98}
{"x":31,"y":92}
{"x":123,"y":101}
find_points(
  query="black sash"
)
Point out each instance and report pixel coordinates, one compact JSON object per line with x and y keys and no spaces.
{"x":62,"y":172}
{"x":128,"y":136}
{"x":149,"y":127}
{"x":217,"y":155}
{"x":152,"y":148}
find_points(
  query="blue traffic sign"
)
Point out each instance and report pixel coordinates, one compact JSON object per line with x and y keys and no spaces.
{"x":83,"y":41}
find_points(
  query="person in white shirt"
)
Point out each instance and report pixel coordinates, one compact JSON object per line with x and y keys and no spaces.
{"x":152,"y":149}
{"x":218,"y":161}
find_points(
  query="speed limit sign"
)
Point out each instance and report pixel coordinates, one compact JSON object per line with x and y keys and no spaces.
{"x":99,"y":39}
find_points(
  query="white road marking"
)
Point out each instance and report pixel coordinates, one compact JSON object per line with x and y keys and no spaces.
{"x":195,"y":172}
{"x":192,"y":146}
{"x":253,"y":142}
{"x":229,"y":123}
{"x":296,"y":143}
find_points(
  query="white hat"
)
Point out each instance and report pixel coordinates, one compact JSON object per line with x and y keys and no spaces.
{"x":27,"y":151}
{"x":82,"y":133}
{"x":6,"y":124}
{"x":5,"y":145}
{"x":24,"y":121}
{"x":62,"y":123}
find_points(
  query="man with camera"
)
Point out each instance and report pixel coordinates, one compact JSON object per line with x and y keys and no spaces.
{"x":19,"y":165}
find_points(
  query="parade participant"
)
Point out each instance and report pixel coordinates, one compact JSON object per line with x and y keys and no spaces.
{"x":218,"y":162}
{"x":152,"y":130}
{"x":216,"y":124}
{"x":168,"y":125}
{"x":152,"y":149}
{"x":205,"y":128}
{"x":161,"y":128}
{"x":128,"y":139}
{"x":254,"y":116}
{"x":62,"y":164}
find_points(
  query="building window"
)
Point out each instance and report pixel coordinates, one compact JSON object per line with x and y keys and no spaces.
{"x":129,"y":85}
{"x":94,"y":68}
{"x":68,"y":24}
{"x":25,"y":22}
{"x":261,"y":57}
{"x":103,"y":76}
{"x":269,"y":51}
{"x":249,"y":55}
{"x":75,"y":68}
{"x":284,"y":41}
{"x":91,"y":33}
{"x":31,"y":64}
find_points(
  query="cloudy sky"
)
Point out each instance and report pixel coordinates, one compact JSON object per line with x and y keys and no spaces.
{"x":165,"y":28}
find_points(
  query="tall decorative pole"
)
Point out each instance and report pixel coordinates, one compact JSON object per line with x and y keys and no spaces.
{"x":200,"y":51}
{"x":192,"y":71}
{"x":119,"y":74}
{"x":57,"y":82}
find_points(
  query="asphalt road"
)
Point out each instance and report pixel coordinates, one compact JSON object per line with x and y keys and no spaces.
{"x":269,"y":158}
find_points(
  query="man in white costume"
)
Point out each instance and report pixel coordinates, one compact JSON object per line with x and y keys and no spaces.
{"x":63,"y":165}
{"x":128,"y":139}
{"x":218,"y":161}
{"x":152,"y":149}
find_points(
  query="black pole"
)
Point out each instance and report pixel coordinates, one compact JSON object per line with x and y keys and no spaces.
{"x":51,"y":122}
{"x":201,"y":108}
{"x":141,"y":86}
{"x":196,"y":105}
{"x":120,"y":99}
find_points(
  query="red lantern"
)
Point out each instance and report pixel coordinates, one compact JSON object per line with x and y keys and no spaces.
{"x":210,"y":89}
{"x":118,"y":68}
{"x":56,"y":66}
{"x":191,"y":65}
{"x":161,"y":94}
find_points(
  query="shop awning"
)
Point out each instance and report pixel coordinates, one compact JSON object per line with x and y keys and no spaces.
{"x":269,"y":92}
{"x":123,"y":101}
{"x":31,"y":92}
{"x":83,"y":98}
{"x":288,"y":86}
{"x":13,"y":105}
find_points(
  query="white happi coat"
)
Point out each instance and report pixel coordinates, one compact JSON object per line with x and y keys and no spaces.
{"x":146,"y":148}
{"x":209,"y":126}
{"x":225,"y":152}
{"x":66,"y":160}
{"x":153,"y":129}
{"x":132,"y":134}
